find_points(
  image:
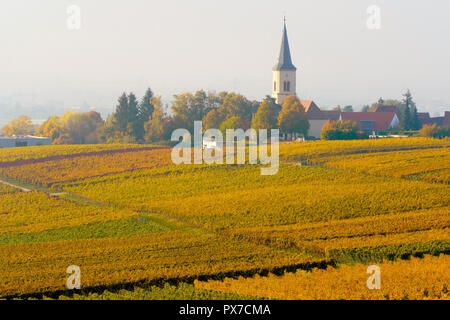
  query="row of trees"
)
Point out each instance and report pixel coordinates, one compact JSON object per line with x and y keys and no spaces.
{"x":222,"y":111}
{"x":147,"y":120}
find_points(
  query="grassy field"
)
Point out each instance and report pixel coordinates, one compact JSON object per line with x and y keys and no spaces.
{"x":130,"y":219}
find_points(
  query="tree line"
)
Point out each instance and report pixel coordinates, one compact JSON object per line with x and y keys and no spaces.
{"x":146,"y":120}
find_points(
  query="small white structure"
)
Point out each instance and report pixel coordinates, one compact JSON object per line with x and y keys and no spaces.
{"x":23,"y":141}
{"x":209,"y":143}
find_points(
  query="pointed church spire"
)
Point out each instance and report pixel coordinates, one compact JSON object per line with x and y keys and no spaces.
{"x":284,"y":59}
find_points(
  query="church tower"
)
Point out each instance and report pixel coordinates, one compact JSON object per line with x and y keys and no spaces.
{"x":284,"y":72}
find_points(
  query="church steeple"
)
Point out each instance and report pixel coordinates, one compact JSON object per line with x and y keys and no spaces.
{"x":284,"y":72}
{"x":284,"y":59}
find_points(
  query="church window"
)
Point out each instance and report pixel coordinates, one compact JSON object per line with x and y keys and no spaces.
{"x":287,"y":86}
{"x":274,"y":86}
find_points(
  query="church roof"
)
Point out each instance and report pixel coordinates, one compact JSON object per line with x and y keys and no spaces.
{"x":284,"y":59}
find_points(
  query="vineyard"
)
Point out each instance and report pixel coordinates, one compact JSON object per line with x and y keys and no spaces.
{"x":140,"y":227}
{"x":427,"y":278}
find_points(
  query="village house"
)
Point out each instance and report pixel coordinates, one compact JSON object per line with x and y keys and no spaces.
{"x":317,"y":118}
{"x":372,"y":122}
{"x":425,"y":119}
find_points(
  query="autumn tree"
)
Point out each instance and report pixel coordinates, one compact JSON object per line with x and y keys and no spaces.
{"x":20,"y":126}
{"x":266,"y":117}
{"x":292,"y":118}
{"x":73,"y":128}
{"x":188,"y":107}
{"x":156,"y":129}
{"x":236,"y":105}
{"x":341,"y":130}
{"x":433,"y":131}
{"x":213,"y":119}
{"x":51,"y":128}
{"x":232,"y":124}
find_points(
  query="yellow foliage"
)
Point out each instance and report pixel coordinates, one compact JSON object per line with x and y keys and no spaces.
{"x":426,"y":278}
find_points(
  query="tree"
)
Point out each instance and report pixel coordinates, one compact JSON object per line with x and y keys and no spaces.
{"x":122,"y":113}
{"x":145,"y":111}
{"x":231,"y":123}
{"x":347,"y":109}
{"x":405,"y":121}
{"x":292,"y":118}
{"x":126,"y":116}
{"x":146,"y":106}
{"x":266,"y":116}
{"x":213,"y":119}
{"x":156,"y":129}
{"x":51,"y":128}
{"x":133,"y":116}
{"x":188,"y":107}
{"x":365,"y":108}
{"x":433,"y":131}
{"x":20,"y":126}
{"x":76,"y":128}
{"x":415,"y":124}
{"x":73,"y":128}
{"x":236,"y":105}
{"x":428,"y":130}
{"x":341,"y":130}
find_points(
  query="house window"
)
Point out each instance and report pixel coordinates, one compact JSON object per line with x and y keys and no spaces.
{"x":274,"y":86}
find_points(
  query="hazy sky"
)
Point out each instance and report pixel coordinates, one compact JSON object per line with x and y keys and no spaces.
{"x":185,"y":45}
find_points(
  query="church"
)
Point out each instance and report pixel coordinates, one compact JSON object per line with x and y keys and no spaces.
{"x":284,"y":77}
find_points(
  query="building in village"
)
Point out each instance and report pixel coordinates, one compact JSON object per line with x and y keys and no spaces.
{"x":372,"y":122}
{"x":23,"y":141}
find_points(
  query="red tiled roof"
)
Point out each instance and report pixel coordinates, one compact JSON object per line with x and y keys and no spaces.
{"x":332,"y":114}
{"x":381,"y":120}
{"x":312,"y":110}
